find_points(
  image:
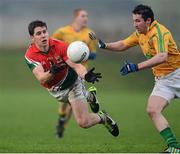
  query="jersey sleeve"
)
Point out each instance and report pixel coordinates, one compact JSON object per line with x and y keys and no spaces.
{"x":161,"y":41}
{"x":132,"y":40}
{"x":31,"y":62}
{"x":58,"y":34}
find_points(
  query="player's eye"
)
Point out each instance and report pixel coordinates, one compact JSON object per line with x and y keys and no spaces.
{"x":137,"y":20}
{"x":44,"y":31}
{"x":38,"y":33}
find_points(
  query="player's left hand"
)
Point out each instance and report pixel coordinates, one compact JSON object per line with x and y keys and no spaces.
{"x":101,"y":43}
{"x":92,"y":77}
{"x":128,"y":68}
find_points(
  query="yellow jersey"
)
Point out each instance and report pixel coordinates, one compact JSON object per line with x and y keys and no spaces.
{"x":158,"y":39}
{"x":68,"y":35}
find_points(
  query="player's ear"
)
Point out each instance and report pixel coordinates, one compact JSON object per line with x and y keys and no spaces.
{"x":32,"y":38}
{"x":148,"y":21}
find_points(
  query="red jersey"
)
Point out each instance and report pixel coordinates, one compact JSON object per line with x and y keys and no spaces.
{"x":57,"y":54}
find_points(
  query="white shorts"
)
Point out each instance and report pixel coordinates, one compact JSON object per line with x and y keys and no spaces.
{"x":168,"y":87}
{"x":76,"y":92}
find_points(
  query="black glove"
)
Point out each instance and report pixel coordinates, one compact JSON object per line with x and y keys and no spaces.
{"x":101,"y":43}
{"x":92,"y":77}
{"x":55,"y":69}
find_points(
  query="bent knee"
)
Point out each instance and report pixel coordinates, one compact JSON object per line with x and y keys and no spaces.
{"x":152,"y":111}
{"x":82,"y":122}
{"x":155,"y":105}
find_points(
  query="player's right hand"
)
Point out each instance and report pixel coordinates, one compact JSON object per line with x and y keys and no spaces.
{"x":128,"y":68}
{"x":92,"y":77}
{"x":101,"y":43}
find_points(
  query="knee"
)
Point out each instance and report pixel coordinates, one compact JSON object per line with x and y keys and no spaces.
{"x":155,"y":106}
{"x":152,"y":111}
{"x":82,"y":122}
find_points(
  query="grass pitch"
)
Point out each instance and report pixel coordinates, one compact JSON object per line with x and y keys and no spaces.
{"x":28,"y":120}
{"x":28,"y":114}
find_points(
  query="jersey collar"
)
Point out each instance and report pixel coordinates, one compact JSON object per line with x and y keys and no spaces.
{"x":152,"y":25}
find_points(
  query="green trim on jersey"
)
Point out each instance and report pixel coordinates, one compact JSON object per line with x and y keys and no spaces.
{"x":70,"y":79}
{"x":46,"y":52}
{"x":161,"y":40}
{"x":31,"y":65}
{"x":153,"y":37}
{"x":165,"y":34}
{"x":148,"y":55}
{"x":137,"y":34}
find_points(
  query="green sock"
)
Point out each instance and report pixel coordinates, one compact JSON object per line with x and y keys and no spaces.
{"x":169,"y":138}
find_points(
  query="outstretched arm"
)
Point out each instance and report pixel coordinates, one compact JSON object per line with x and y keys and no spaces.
{"x":156,"y":60}
{"x":89,"y":76}
{"x":114,"y":46}
{"x":79,"y":68}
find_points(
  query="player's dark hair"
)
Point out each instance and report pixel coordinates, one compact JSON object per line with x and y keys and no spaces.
{"x":145,"y":11}
{"x":34,"y":24}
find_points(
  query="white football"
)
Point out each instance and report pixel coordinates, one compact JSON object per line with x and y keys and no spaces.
{"x":78,"y":52}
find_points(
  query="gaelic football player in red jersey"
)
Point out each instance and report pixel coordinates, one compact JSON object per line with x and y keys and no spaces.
{"x":48,"y":61}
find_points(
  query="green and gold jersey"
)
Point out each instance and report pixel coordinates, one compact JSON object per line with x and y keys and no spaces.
{"x":157,"y":40}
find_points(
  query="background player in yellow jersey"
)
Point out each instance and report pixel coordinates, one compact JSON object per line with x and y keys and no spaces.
{"x":163,"y":57}
{"x":76,"y":31}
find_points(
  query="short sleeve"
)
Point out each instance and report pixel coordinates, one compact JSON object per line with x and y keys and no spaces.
{"x":132,"y":40}
{"x":31,"y":62}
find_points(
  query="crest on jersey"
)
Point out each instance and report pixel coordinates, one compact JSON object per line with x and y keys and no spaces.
{"x":58,"y":59}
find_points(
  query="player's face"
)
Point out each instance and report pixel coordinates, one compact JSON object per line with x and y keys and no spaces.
{"x":82,"y":18}
{"x":140,"y":24}
{"x":40,"y":37}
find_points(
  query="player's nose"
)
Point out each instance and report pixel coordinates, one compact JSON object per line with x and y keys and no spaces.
{"x":135,"y":24}
{"x":43,"y":35}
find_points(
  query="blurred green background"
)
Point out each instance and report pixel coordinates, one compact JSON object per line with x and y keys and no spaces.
{"x":28,"y":113}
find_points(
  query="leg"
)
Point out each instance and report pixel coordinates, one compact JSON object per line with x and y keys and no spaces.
{"x":164,"y":90}
{"x":155,"y":106}
{"x":83,"y":118}
{"x":86,"y":119}
{"x":65,"y":111}
{"x":77,"y":99}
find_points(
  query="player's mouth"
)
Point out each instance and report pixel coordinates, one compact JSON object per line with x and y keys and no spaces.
{"x":138,"y":30}
{"x":44,"y":41}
